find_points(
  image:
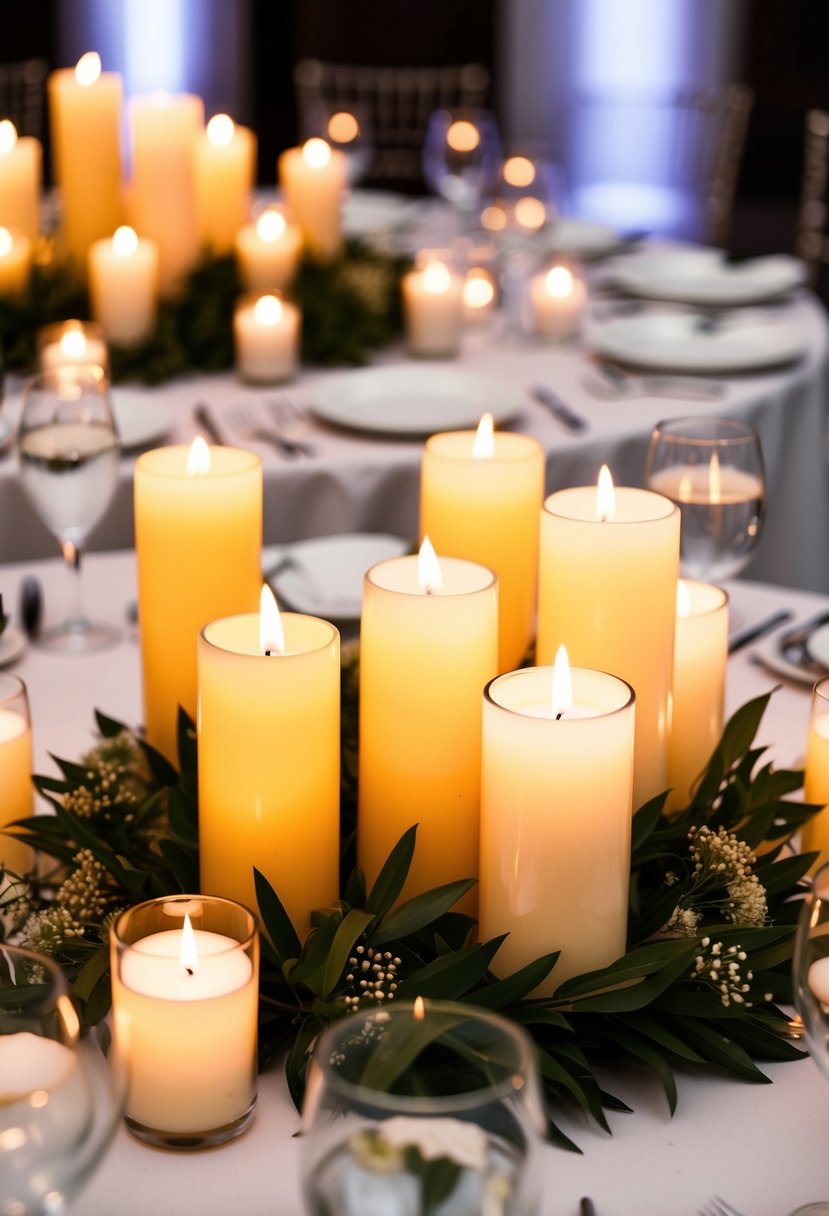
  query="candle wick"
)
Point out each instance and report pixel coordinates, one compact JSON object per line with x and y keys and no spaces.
{"x":559,"y":715}
{"x":267,"y":654}
{"x":189,"y":970}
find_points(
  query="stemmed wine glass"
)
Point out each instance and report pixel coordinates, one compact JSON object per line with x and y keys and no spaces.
{"x":810,"y":975}
{"x":68,"y":449}
{"x":346,"y":127}
{"x":461,"y":153}
{"x":712,"y":468}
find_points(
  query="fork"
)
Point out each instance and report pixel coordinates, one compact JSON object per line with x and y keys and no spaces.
{"x":608,"y":381}
{"x":718,"y":1207}
{"x":247,"y":420}
{"x":291,"y":419}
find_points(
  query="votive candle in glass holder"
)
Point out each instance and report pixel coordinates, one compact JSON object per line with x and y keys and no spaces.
{"x":557,"y":300}
{"x":266,"y":333}
{"x":71,"y":344}
{"x":15,"y":771}
{"x":185,"y":995}
{"x":433,"y":309}
{"x":815,"y":834}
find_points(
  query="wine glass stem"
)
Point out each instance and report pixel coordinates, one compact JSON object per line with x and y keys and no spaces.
{"x":75,"y":617}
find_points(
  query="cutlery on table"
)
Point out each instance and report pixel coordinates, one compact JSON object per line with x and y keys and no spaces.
{"x":606,"y":380}
{"x":753,"y":633}
{"x":207,"y":423}
{"x":559,"y":410}
{"x":718,"y":1207}
{"x":247,"y":421}
{"x":291,"y":419}
{"x":794,"y":644}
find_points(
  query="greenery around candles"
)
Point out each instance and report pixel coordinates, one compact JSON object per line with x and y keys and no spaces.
{"x":714,"y":899}
{"x":350,"y":306}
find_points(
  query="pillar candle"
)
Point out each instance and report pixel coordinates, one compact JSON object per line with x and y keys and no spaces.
{"x":123,"y":286}
{"x":15,"y":263}
{"x":607,"y":587}
{"x":555,"y":820}
{"x":71,"y":343}
{"x":266,"y":338}
{"x":15,"y":771}
{"x":21,"y":171}
{"x":163,"y":200}
{"x":433,"y":310}
{"x":198,"y":535}
{"x":557,"y":298}
{"x":313,"y":180}
{"x":815,"y":833}
{"x":428,"y":644}
{"x":85,"y":117}
{"x":269,"y":761}
{"x":480,"y":498}
{"x":698,"y":689}
{"x":479,"y":296}
{"x":267,"y":252}
{"x":225,"y":163}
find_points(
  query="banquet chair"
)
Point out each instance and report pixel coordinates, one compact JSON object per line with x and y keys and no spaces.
{"x":716,"y":122}
{"x":396,"y":102}
{"x":22,"y":95}
{"x":812,"y":245}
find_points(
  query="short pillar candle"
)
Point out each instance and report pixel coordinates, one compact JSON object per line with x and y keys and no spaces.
{"x":15,"y":771}
{"x":266,"y":335}
{"x":267,"y":252}
{"x":123,"y":286}
{"x":433,"y":310}
{"x":698,"y":687}
{"x":72,"y":344}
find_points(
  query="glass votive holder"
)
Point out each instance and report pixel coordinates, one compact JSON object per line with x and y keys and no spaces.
{"x":266,"y":334}
{"x":185,"y":992}
{"x":71,"y":343}
{"x":557,"y":298}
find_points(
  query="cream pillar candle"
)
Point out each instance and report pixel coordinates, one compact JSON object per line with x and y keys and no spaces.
{"x":266,"y":338}
{"x":70,"y":344}
{"x":163,"y":200}
{"x":123,"y":286}
{"x":21,"y":172}
{"x":428,"y":644}
{"x":479,"y":296}
{"x":815,"y":833}
{"x":15,"y":263}
{"x":267,"y":252}
{"x":198,"y":536}
{"x":607,"y":585}
{"x":85,"y":117}
{"x":269,"y":759}
{"x":480,"y":498}
{"x":15,"y":771}
{"x":555,"y":820}
{"x":313,"y":180}
{"x":698,"y":688}
{"x":433,"y":310}
{"x":225,"y":167}
{"x":558,"y":298}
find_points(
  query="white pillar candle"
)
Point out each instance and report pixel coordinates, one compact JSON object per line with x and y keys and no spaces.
{"x":557,"y":297}
{"x":266,"y":337}
{"x":815,"y":834}
{"x":15,"y":772}
{"x":433,"y":310}
{"x":313,"y":180}
{"x":71,"y":344}
{"x":607,"y":586}
{"x":267,"y":252}
{"x":21,"y":171}
{"x":698,"y":688}
{"x":123,"y":286}
{"x":555,"y":819}
{"x":225,"y":165}
{"x":15,"y":263}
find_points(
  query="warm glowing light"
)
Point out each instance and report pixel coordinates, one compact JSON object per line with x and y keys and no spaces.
{"x":683,"y":600}
{"x":562,"y":683}
{"x":483,"y":445}
{"x":69,"y":1017}
{"x":530,"y":213}
{"x":428,"y":568}
{"x":518,"y":171}
{"x":188,"y":955}
{"x":8,"y":136}
{"x":73,"y":344}
{"x":478,"y":290}
{"x":316,"y":153}
{"x":343,"y":127}
{"x":436,"y":279}
{"x":220,"y":130}
{"x":88,"y":68}
{"x":6,"y":242}
{"x":686,"y":488}
{"x":419,"y":1009}
{"x":198,"y":458}
{"x":267,"y":311}
{"x":463,"y":136}
{"x":124,"y":242}
{"x":605,"y":496}
{"x":494,"y":219}
{"x":714,"y":480}
{"x":271,"y":633}
{"x":271,"y":226}
{"x":558,"y":283}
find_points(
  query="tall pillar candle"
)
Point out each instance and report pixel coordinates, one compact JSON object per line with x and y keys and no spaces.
{"x":85,"y":117}
{"x":607,"y":587}
{"x":555,"y":820}
{"x":198,"y":536}
{"x":698,"y":689}
{"x":313,"y":180}
{"x":269,"y":760}
{"x":123,"y":286}
{"x":480,"y":498}
{"x":21,"y":171}
{"x":815,"y":833}
{"x":428,"y":644}
{"x":15,"y":771}
{"x":225,"y":161}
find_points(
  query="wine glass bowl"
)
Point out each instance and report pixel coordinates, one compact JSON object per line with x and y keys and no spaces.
{"x":346,"y":127}
{"x":461,"y":151}
{"x":712,"y":468}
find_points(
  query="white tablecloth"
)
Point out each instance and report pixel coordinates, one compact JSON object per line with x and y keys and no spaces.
{"x":764,"y":1147}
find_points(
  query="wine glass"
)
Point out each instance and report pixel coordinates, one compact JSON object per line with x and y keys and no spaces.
{"x":60,"y":1101}
{"x":461,"y":152}
{"x":424,"y":1110}
{"x":712,"y":468}
{"x":810,"y":976}
{"x":347,"y":127}
{"x":68,"y":450}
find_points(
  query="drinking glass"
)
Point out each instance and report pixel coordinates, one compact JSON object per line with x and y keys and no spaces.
{"x":68,"y":450}
{"x":424,"y":1110}
{"x":461,"y":152}
{"x":59,"y":1098}
{"x":712,"y":468}
{"x":810,"y":975}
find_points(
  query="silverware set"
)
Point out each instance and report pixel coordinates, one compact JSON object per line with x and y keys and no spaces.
{"x":279,"y":423}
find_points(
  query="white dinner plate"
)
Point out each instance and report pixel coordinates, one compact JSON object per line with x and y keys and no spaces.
{"x":670,"y":341}
{"x":6,"y":433}
{"x":139,"y":418}
{"x":704,"y":277}
{"x":12,"y":645}
{"x":370,"y":211}
{"x":413,"y":400}
{"x":324,"y":576}
{"x":769,"y":653}
{"x":582,"y":238}
{"x":818,"y":646}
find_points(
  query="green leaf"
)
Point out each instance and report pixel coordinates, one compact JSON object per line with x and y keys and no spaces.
{"x":110,"y":728}
{"x":297,"y":1059}
{"x":389,"y":883}
{"x":640,"y":1050}
{"x":162,"y":770}
{"x":416,"y":913}
{"x":646,"y":820}
{"x":718,"y":1049}
{"x":351,"y":929}
{"x":91,"y":973}
{"x":515,"y":987}
{"x":182,"y":862}
{"x":402,"y":1043}
{"x":275,"y":920}
{"x":451,"y":976}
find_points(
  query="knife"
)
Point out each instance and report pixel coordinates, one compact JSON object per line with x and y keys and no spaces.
{"x":755,"y":632}
{"x":566,"y":416}
{"x":207,"y":423}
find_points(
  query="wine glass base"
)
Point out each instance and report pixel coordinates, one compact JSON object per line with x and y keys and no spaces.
{"x":78,"y":638}
{"x":812,"y":1209}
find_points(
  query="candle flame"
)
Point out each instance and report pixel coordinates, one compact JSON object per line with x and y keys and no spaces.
{"x":8,"y":136}
{"x":88,"y":68}
{"x":6,"y":242}
{"x":343,"y":127}
{"x":558,"y":283}
{"x":686,"y":488}
{"x":518,"y":171}
{"x":124,"y":241}
{"x":463,"y":136}
{"x":73,"y":343}
{"x":271,"y":633}
{"x":530,"y":212}
{"x":316,"y":153}
{"x":271,"y":225}
{"x":220,"y":130}
{"x":198,"y":458}
{"x":683,"y":599}
{"x":605,"y":496}
{"x":428,"y":568}
{"x":714,"y":480}
{"x":188,"y":955}
{"x":419,"y":1009}
{"x":436,"y":279}
{"x":483,"y":445}
{"x":562,"y":683}
{"x":267,"y":311}
{"x":478,"y":290}
{"x":494,"y":219}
